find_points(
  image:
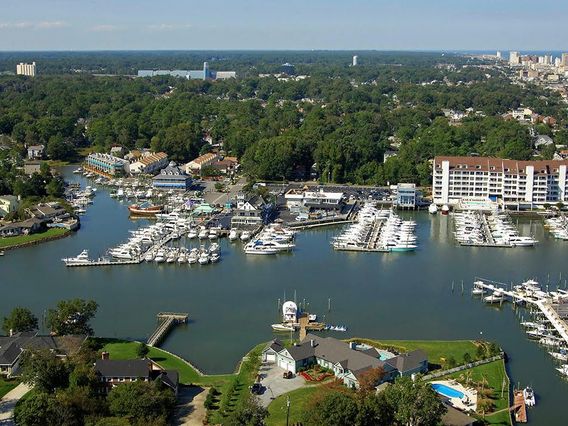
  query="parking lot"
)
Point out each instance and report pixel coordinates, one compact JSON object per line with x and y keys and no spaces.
{"x":274,"y":384}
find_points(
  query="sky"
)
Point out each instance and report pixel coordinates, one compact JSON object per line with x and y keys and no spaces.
{"x":283,"y":24}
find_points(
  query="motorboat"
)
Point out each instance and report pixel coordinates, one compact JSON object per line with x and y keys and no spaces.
{"x":192,"y":233}
{"x":149,"y":211}
{"x":245,"y":236}
{"x":529,"y":396}
{"x":261,"y":250}
{"x":233,"y":235}
{"x":215,"y":257}
{"x":81,"y":259}
{"x":203,"y":258}
{"x":192,"y":258}
{"x":148,"y":257}
{"x":282,"y":327}
{"x":560,"y":356}
{"x":432,"y":208}
{"x":563,"y":370}
{"x":445,"y":209}
{"x":203,"y":234}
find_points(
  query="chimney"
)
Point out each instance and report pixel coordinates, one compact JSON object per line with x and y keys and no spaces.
{"x":105,"y":355}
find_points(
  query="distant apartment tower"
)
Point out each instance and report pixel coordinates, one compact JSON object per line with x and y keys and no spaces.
{"x":564,"y":61}
{"x":26,"y":69}
{"x":354,"y":61}
{"x":512,"y":183}
{"x":499,"y":55}
{"x":514,"y":58}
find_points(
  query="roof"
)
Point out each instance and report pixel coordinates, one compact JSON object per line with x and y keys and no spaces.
{"x":12,"y":346}
{"x":455,"y":417}
{"x":486,"y":164}
{"x":409,"y":361}
{"x":36,"y":147}
{"x":210,"y":156}
{"x":9,"y":353}
{"x":169,"y":378}
{"x":123,"y":367}
{"x":276,"y":345}
{"x":153,"y":158}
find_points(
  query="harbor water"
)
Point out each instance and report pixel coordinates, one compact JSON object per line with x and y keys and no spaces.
{"x":232,"y":304}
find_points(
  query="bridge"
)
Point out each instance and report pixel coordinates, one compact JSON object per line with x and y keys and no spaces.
{"x":166,"y":320}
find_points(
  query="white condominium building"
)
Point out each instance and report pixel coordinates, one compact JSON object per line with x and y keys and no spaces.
{"x":26,"y":69}
{"x":522,"y":184}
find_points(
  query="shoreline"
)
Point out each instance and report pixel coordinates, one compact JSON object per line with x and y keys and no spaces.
{"x":36,"y":242}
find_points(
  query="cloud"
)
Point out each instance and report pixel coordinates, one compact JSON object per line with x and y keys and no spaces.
{"x":43,"y":25}
{"x":168,"y":27}
{"x":105,"y":28}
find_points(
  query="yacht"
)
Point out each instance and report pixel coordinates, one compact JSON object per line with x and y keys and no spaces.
{"x":149,"y":256}
{"x":433,"y":208}
{"x":282,"y":327}
{"x":203,"y":258}
{"x":192,"y":258}
{"x":245,"y":236}
{"x":203,"y":234}
{"x":233,"y":235}
{"x":528,"y":394}
{"x":560,"y":356}
{"x":563,"y":369}
{"x":192,"y":234}
{"x":81,"y":259}
{"x":260,"y":249}
{"x":215,"y":257}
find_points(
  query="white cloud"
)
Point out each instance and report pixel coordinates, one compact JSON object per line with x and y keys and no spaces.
{"x":168,"y":27}
{"x":105,"y":28}
{"x":43,"y":25}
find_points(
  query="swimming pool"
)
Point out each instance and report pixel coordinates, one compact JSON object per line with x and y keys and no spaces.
{"x":447,"y":391}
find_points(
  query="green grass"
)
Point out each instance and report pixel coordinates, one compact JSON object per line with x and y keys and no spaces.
{"x":494,"y":373}
{"x":6,"y":385}
{"x":22,"y":239}
{"x":298,"y":400}
{"x":438,"y":351}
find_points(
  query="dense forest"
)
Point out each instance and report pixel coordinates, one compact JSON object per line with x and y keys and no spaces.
{"x":341,"y":118}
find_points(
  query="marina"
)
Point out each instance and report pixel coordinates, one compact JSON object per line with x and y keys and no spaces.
{"x":386,"y":297}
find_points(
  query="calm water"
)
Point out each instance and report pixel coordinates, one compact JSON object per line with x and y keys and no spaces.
{"x":232,"y":303}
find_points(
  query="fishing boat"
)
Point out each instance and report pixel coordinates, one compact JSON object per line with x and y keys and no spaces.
{"x":81,"y":259}
{"x":149,"y":211}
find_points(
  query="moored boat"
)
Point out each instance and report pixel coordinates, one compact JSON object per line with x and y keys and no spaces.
{"x":139,"y":210}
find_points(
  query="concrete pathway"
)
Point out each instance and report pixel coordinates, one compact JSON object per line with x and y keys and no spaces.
{"x":8,"y":403}
{"x":190,"y":410}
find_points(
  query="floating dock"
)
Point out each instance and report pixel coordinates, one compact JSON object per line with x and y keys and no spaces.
{"x":166,"y":320}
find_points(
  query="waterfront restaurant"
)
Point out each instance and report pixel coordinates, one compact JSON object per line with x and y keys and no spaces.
{"x":106,"y":164}
{"x":172,"y":177}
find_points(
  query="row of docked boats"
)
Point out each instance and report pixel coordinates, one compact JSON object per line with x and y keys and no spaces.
{"x":182,"y":255}
{"x":539,"y":327}
{"x":397,"y":235}
{"x":273,"y":239}
{"x":558,"y":227}
{"x":505,"y":233}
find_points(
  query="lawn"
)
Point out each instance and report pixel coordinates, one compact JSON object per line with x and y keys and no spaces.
{"x":22,"y":239}
{"x":438,"y":351}
{"x":233,"y":388}
{"x":494,"y":373}
{"x":298,"y":400}
{"x":6,"y":385}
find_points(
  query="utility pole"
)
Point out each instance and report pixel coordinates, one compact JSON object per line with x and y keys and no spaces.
{"x":287,"y":410}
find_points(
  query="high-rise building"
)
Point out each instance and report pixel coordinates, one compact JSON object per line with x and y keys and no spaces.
{"x":514,"y":58}
{"x":26,"y":69}
{"x":499,"y":55}
{"x":564,"y":60}
{"x":354,"y":62}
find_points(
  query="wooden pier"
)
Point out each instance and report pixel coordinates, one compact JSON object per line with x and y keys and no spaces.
{"x":166,"y":320}
{"x":545,"y":307}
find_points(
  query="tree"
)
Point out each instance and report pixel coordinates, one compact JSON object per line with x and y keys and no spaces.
{"x":38,"y":409}
{"x":142,"y":350}
{"x":43,"y":370}
{"x":72,"y":317}
{"x":249,"y":413}
{"x":374,"y":410}
{"x":332,"y":408}
{"x":20,"y":319}
{"x":415,"y":403}
{"x":466,"y":358}
{"x":481,"y":351}
{"x":370,"y":379}
{"x":452,"y":362}
{"x":141,"y":400}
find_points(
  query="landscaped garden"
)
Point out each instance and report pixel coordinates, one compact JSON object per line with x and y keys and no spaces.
{"x":6,"y":385}
{"x":27,"y":239}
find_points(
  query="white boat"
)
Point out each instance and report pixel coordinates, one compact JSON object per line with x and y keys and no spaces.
{"x":560,"y":356}
{"x":192,"y":258}
{"x":563,"y":369}
{"x":528,"y":394}
{"x":445,"y":209}
{"x":245,"y":236}
{"x":233,"y":235}
{"x":203,"y":234}
{"x":215,"y":257}
{"x":160,"y":257}
{"x":432,"y":208}
{"x":260,"y":249}
{"x":282,"y":327}
{"x":203,"y":258}
{"x":81,"y":259}
{"x":148,"y":257}
{"x":192,"y":234}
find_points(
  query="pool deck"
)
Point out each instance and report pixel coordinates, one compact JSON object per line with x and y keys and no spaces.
{"x":467,"y":405}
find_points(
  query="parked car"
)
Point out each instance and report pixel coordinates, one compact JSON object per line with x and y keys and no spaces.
{"x":256,"y":389}
{"x":287,"y":375}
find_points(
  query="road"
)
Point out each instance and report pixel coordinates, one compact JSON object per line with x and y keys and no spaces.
{"x":8,"y":403}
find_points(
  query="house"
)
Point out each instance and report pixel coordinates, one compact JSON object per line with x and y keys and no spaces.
{"x":226,"y":166}
{"x":542,"y":141}
{"x":200,"y":162}
{"x":36,"y":152}
{"x":346,"y":361}
{"x":47,"y":211}
{"x":388,"y":154}
{"x":149,"y":163}
{"x":26,"y":227}
{"x":117,"y":151}
{"x":12,"y":347}
{"x":8,"y":204}
{"x":253,"y":210}
{"x":302,"y":199}
{"x":31,"y":167}
{"x":112,"y":373}
{"x":172,"y":177}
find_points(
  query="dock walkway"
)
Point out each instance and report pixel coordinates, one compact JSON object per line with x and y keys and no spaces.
{"x":166,"y":320}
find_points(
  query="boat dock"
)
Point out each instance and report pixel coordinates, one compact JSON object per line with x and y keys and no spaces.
{"x":519,"y":407}
{"x":166,"y":320}
{"x":543,"y":305}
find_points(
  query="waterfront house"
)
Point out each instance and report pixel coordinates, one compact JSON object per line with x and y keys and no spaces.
{"x":36,"y":152}
{"x":172,"y":177}
{"x":347,"y":362}
{"x":8,"y":204}
{"x":25,"y":227}
{"x":106,"y":164}
{"x":12,"y":347}
{"x":112,"y":373}
{"x":407,"y":196}
{"x":47,"y":211}
{"x":301,"y":200}
{"x":149,"y":163}
{"x":252,"y":210}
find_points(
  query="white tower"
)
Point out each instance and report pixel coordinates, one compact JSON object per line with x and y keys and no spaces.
{"x":354,"y":62}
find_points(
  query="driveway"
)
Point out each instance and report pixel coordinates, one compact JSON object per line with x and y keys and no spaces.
{"x":8,"y":403}
{"x":275,"y":385}
{"x":190,"y":410}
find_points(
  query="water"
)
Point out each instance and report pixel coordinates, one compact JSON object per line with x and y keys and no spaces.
{"x":232,"y":304}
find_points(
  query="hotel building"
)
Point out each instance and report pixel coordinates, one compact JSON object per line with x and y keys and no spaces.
{"x":26,"y":69}
{"x":510,"y":183}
